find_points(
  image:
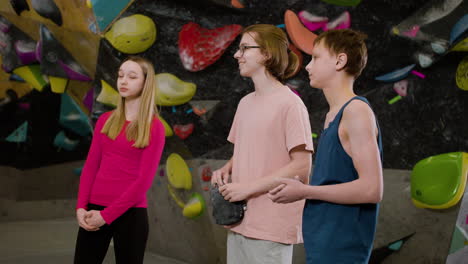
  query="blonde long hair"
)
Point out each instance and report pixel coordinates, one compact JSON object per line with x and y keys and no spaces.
{"x":140,"y":129}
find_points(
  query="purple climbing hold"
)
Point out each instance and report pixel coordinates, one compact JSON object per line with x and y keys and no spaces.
{"x":72,"y":72}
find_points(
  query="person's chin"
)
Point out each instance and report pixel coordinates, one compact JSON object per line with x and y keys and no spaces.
{"x":314,"y":84}
{"x":127,"y":95}
{"x":244,"y":73}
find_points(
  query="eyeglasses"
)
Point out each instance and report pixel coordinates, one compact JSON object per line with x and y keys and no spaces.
{"x":243,"y":48}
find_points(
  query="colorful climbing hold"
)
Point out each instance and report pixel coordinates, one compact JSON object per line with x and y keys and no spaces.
{"x":425,"y":60}
{"x":401,"y":87}
{"x":55,"y":59}
{"x":194,"y":207}
{"x":108,"y":95}
{"x":106,"y":13}
{"x":26,"y":51}
{"x":174,"y":196}
{"x":412,"y":32}
{"x":178,"y":173}
{"x":73,"y":118}
{"x":461,"y":46}
{"x":458,"y":29}
{"x":396,"y":75}
{"x":237,"y":3}
{"x":343,"y":21}
{"x":461,"y":75}
{"x":200,"y":47}
{"x":74,"y":71}
{"x":206,"y":174}
{"x":19,"y":135}
{"x":58,"y":84}
{"x":420,"y":75}
{"x":311,"y":21}
{"x":48,"y":9}
{"x":199,"y":112}
{"x":32,"y":75}
{"x":394,"y":99}
{"x":167,"y":129}
{"x":173,"y":91}
{"x":63,"y":142}
{"x":183,"y":131}
{"x":302,"y":38}
{"x":88,"y":100}
{"x":132,"y":34}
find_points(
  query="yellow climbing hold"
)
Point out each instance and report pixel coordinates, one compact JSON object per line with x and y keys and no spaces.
{"x":174,"y":196}
{"x":108,"y":95}
{"x":173,"y":91}
{"x":32,"y":75}
{"x":461,"y":46}
{"x":194,"y":207}
{"x":132,"y":34}
{"x":178,"y":173}
{"x":462,"y":74}
{"x":167,"y":129}
{"x":58,"y":84}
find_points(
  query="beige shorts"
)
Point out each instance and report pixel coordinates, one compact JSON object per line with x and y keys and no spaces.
{"x":244,"y":250}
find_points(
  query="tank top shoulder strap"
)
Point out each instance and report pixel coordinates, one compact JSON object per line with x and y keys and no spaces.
{"x":340,"y":114}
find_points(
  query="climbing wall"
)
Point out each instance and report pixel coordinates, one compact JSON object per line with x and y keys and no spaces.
{"x":414,"y":78}
{"x":49,"y":51}
{"x":60,"y":62}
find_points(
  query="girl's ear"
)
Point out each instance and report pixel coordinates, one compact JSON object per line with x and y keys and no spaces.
{"x":265,"y":57}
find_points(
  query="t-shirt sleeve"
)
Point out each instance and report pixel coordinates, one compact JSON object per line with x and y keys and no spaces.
{"x":149,"y":163}
{"x":298,"y":131}
{"x":91,"y":167}
{"x":233,"y":133}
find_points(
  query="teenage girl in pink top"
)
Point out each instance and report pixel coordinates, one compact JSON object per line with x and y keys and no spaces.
{"x":122,"y":161}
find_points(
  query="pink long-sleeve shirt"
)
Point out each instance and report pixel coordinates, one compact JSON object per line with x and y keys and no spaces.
{"x":116,"y":174}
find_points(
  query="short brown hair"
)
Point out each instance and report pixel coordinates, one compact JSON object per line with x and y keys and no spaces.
{"x":282,"y":63}
{"x":351,"y":43}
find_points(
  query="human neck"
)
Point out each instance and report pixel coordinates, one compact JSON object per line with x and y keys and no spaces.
{"x":131,"y":108}
{"x":265,"y":83}
{"x":338,"y":92}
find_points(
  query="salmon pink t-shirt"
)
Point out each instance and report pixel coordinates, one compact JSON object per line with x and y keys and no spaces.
{"x":264,"y":130}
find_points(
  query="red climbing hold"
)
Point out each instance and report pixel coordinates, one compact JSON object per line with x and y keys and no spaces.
{"x":200,"y":47}
{"x":183,"y":131}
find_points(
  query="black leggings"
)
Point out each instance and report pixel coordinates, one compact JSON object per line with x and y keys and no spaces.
{"x":129,"y":232}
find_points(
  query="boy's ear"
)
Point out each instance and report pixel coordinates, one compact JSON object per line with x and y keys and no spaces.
{"x":341,"y":61}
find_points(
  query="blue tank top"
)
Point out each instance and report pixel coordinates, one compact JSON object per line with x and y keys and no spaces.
{"x":337,"y":233}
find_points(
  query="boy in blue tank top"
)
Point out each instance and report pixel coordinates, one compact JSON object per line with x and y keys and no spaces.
{"x":342,"y":200}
